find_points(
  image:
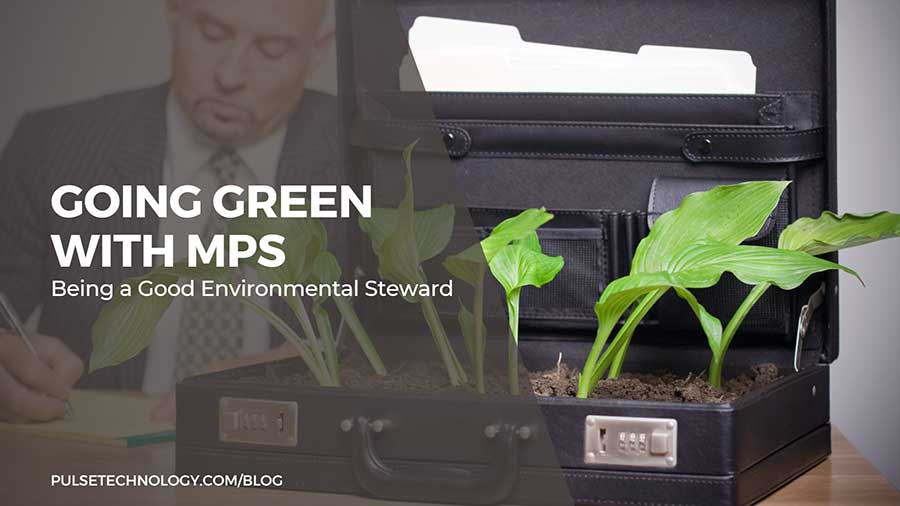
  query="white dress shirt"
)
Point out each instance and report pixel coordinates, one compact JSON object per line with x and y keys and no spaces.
{"x":186,"y":160}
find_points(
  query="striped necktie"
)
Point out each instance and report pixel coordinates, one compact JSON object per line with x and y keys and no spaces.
{"x":212,"y":328}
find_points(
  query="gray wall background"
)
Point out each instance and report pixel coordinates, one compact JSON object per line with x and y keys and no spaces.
{"x":46,"y":44}
{"x":865,"y":383}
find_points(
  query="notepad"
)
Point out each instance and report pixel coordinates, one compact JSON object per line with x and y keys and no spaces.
{"x":106,"y":418}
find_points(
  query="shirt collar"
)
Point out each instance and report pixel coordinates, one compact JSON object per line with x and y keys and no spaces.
{"x":190,"y":151}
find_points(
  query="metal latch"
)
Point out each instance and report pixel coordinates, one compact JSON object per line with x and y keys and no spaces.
{"x":258,"y":421}
{"x":632,"y":442}
{"x":806,"y":314}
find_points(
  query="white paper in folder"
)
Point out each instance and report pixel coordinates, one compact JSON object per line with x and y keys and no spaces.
{"x":467,"y":56}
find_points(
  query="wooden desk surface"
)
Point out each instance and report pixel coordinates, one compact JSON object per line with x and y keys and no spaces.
{"x":846,"y":478}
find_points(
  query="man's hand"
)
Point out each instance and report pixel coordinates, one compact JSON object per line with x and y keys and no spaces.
{"x":34,"y":388}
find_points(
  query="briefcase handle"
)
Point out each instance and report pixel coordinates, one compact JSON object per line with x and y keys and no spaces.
{"x":439,"y":482}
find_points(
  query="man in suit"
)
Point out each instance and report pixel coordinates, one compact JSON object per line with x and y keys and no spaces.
{"x":235,"y":112}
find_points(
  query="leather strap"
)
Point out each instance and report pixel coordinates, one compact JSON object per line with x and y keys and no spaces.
{"x":601,"y":141}
{"x":755,"y":147}
{"x":396,"y":135}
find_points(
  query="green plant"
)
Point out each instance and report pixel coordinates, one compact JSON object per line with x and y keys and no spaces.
{"x":513,"y":253}
{"x":403,"y":239}
{"x":469,"y":266}
{"x":726,"y":214}
{"x":327,"y":270}
{"x":126,"y":325}
{"x":691,"y":247}
{"x":305,"y":242}
{"x":826,"y":234}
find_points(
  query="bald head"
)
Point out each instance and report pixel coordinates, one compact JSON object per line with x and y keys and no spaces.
{"x":239,"y":67}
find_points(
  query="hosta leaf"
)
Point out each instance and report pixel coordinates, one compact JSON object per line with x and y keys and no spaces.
{"x":434,"y":227}
{"x":404,"y":238}
{"x":711,"y":325}
{"x":468,"y":265}
{"x":830,"y":232}
{"x":516,"y":266}
{"x":700,"y":265}
{"x":379,"y":226}
{"x":730,"y":214}
{"x":398,"y":258}
{"x":325,"y":270}
{"x":513,"y":229}
{"x":126,"y":325}
{"x":530,"y":241}
{"x":303,"y":240}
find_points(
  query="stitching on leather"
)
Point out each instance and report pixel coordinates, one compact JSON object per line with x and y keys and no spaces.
{"x":467,"y":140}
{"x":813,"y":98}
{"x":698,"y":481}
{"x":786,"y":158}
{"x":574,"y":313}
{"x":425,"y":128}
{"x":599,"y":156}
{"x":576,"y":212}
{"x":614,"y":502}
{"x":816,"y":108}
{"x":651,"y":205}
{"x":605,"y":97}
{"x":812,"y":110}
{"x":778,"y":116}
{"x":750,"y":135}
{"x":604,"y":258}
{"x":607,"y":126}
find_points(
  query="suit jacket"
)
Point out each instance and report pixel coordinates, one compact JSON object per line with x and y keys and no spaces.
{"x":117,"y":139}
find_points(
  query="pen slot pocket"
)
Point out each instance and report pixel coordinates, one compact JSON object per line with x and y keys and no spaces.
{"x":598,"y":247}
{"x":580,"y":237}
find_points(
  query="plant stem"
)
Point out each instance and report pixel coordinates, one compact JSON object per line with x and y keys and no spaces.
{"x":718,"y":360}
{"x":600,"y":359}
{"x":638,"y":314}
{"x":359,"y":332}
{"x":585,"y":381}
{"x":715,"y":370}
{"x":302,"y":316}
{"x":480,"y":345}
{"x":323,"y":322}
{"x":512,"y":355}
{"x":513,"y":365}
{"x":451,"y":362}
{"x":306,"y":354}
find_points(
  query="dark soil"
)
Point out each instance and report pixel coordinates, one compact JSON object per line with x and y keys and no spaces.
{"x":357,"y":374}
{"x":659,"y":386}
{"x":558,"y":382}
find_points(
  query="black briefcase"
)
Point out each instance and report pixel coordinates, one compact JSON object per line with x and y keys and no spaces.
{"x":606,"y":166}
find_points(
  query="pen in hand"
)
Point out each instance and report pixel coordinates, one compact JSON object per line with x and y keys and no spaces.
{"x":12,"y":319}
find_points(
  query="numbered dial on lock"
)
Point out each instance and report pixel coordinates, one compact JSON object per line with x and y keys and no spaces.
{"x":630,"y":442}
{"x":257,"y":421}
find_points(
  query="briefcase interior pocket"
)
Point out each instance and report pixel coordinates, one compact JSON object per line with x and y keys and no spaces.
{"x":602,"y":156}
